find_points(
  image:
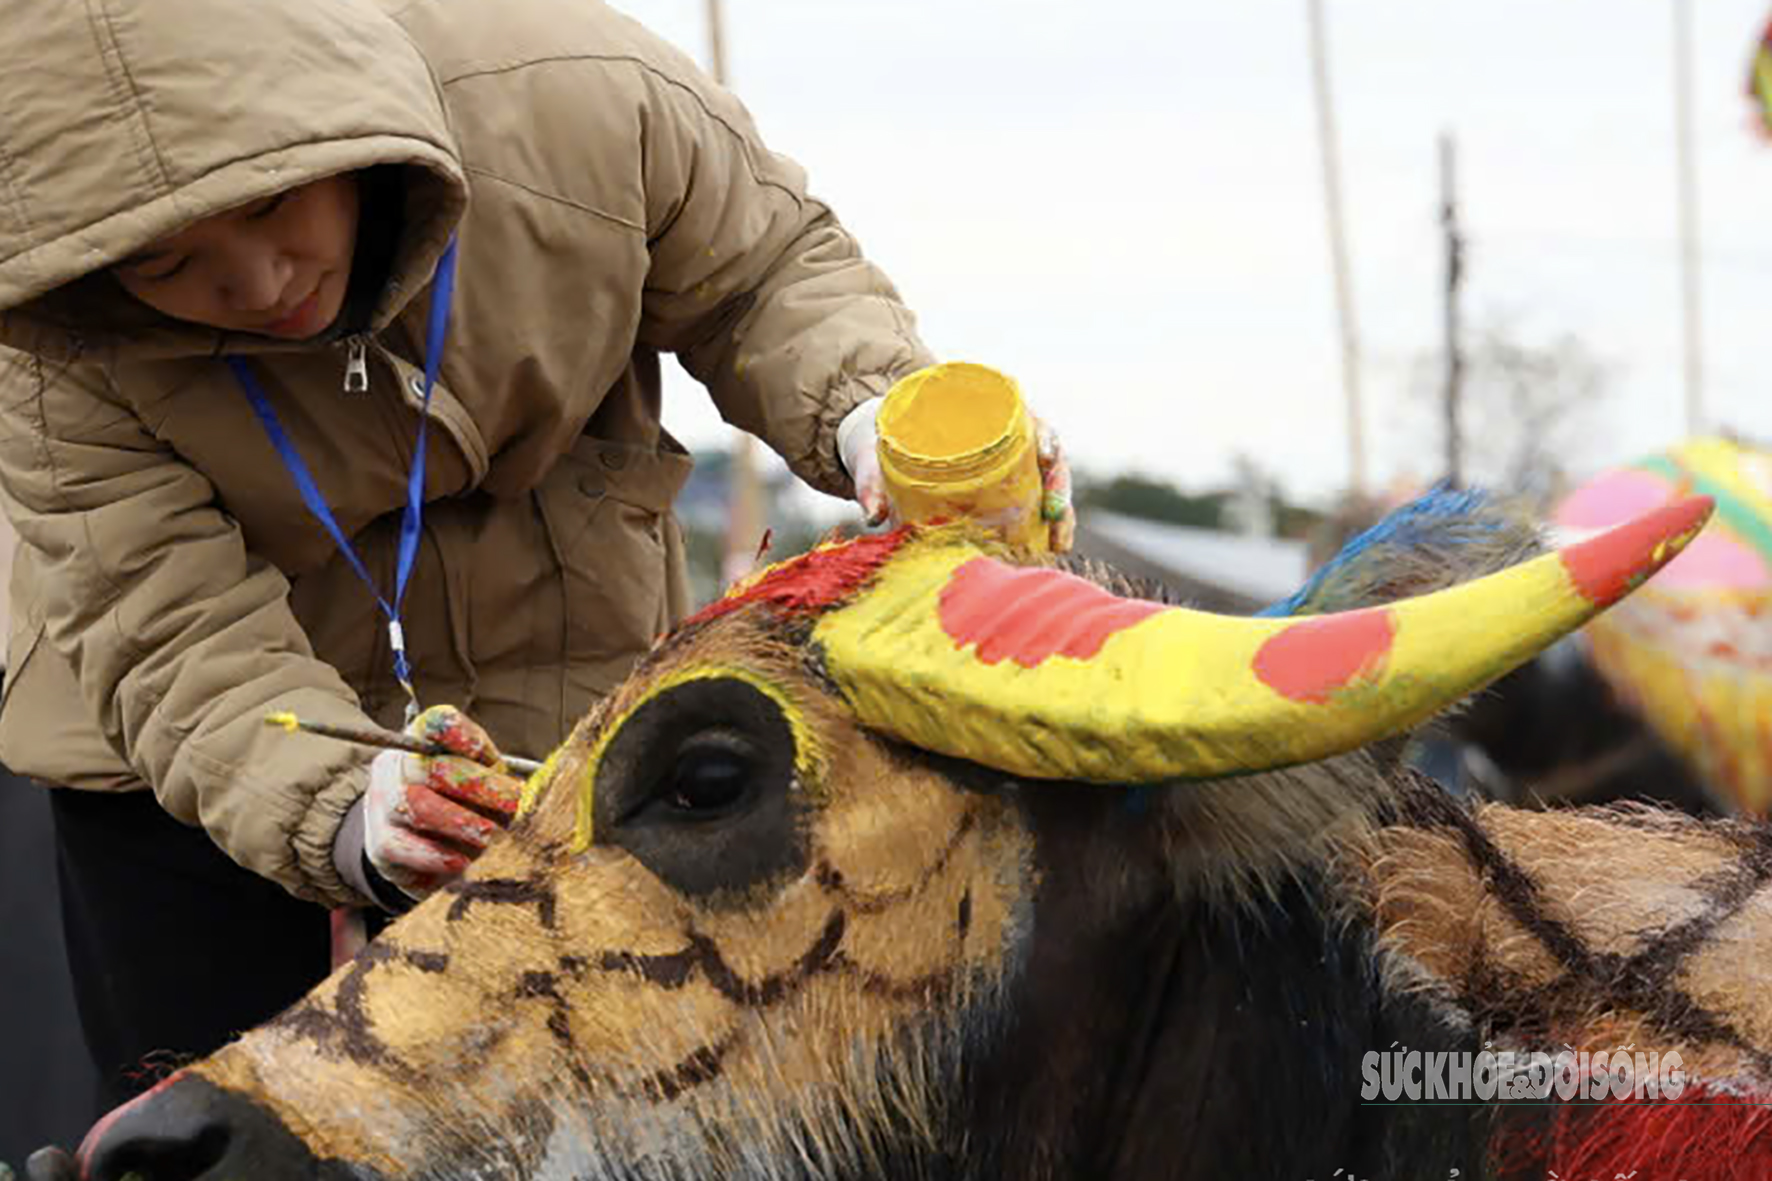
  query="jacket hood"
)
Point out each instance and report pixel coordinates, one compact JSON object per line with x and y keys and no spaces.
{"x":122,"y":121}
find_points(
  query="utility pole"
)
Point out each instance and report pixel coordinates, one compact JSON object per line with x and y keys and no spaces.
{"x":1688,"y":202}
{"x":1344,"y":300}
{"x":744,"y":521}
{"x":1454,"y":280}
{"x":716,"y":42}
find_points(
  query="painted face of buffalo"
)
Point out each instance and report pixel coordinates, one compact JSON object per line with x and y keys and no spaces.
{"x":763,"y":905}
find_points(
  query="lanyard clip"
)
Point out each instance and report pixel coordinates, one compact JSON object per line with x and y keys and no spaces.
{"x":403,"y":670}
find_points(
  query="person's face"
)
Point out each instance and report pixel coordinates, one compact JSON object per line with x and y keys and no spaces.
{"x":277,"y":267}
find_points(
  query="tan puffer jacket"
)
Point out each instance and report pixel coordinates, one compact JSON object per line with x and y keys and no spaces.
{"x":611,"y":205}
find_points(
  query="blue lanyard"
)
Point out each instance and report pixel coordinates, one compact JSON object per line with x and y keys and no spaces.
{"x":442,"y":288}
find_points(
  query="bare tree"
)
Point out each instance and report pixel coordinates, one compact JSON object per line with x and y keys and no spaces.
{"x":1531,"y":411}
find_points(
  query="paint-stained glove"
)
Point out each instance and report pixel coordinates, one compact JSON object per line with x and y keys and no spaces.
{"x":425,"y":818}
{"x":858,"y":449}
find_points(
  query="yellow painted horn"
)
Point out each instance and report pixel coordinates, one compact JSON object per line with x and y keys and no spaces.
{"x":1042,"y":674}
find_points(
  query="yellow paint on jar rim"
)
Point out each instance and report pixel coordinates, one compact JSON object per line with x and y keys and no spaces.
{"x":950,"y":412}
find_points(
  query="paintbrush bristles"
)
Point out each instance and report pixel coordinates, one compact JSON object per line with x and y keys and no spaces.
{"x":386,"y":739}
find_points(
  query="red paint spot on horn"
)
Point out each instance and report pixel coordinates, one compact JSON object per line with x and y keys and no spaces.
{"x":1608,"y":567}
{"x":1029,"y":614}
{"x":1314,"y":658}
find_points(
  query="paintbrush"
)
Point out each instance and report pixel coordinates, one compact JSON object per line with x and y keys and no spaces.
{"x":387,"y":739}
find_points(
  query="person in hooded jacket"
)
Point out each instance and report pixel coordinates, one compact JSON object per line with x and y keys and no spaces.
{"x":246,"y":252}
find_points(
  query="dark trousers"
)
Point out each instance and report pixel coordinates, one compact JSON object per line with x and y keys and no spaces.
{"x":47,"y":1087}
{"x":173,"y":949}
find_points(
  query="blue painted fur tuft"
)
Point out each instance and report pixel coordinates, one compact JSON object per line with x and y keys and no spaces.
{"x":1443,"y":537}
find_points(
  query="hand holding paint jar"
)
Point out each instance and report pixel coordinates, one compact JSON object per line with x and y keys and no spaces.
{"x":956,"y":440}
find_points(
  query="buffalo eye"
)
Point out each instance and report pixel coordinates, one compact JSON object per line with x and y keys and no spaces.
{"x":700,"y":784}
{"x":712,"y":774}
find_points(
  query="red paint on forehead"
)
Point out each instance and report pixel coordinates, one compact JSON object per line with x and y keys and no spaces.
{"x":1608,"y":567}
{"x":813,"y":581}
{"x":1027,"y":615}
{"x":1314,"y":658}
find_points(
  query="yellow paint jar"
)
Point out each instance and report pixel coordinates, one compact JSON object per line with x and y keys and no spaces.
{"x":956,"y":440}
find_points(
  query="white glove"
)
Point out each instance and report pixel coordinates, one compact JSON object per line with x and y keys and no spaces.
{"x":858,"y":440}
{"x":858,"y":449}
{"x":426,"y":818}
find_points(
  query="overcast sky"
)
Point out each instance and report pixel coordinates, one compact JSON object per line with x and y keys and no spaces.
{"x":1120,"y":203}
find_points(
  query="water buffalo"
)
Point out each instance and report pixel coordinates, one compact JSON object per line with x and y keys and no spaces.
{"x":915,"y":859}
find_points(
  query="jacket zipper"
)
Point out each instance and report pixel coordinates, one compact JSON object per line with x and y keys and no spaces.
{"x":357,"y":364}
{"x":444,"y":411}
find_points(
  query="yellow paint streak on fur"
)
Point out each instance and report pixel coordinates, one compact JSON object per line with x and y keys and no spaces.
{"x":544,"y":775}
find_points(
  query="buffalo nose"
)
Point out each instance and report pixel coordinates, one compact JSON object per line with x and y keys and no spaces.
{"x":189,"y":1129}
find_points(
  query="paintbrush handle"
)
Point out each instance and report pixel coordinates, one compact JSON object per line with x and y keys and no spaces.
{"x":389,"y":740}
